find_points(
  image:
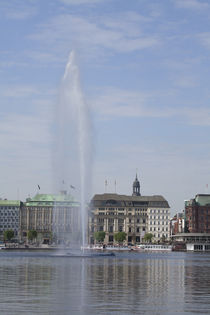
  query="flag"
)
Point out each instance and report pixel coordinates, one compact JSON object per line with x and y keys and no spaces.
{"x":72,"y":187}
{"x":38,"y":187}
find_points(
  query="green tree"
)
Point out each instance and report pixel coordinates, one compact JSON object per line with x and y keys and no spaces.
{"x":99,"y":236}
{"x":32,"y":234}
{"x":8,"y":235}
{"x":148,"y":237}
{"x":163,"y":239}
{"x":120,"y":237}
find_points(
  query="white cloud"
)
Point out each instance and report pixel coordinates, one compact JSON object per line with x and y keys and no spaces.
{"x":78,"y":2}
{"x":112,"y":103}
{"x":205,"y":39}
{"x":192,"y":4}
{"x":18,"y":10}
{"x":64,"y":30}
{"x":16,"y":91}
{"x":186,"y":81}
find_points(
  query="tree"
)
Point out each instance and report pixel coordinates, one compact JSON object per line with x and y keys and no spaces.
{"x":8,"y":235}
{"x":148,"y":237}
{"x":32,"y":234}
{"x":120,"y":237}
{"x":163,"y":239}
{"x":99,"y":236}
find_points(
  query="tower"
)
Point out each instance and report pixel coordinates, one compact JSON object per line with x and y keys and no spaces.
{"x":136,"y":187}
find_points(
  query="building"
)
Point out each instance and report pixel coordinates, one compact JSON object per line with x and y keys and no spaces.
{"x":54,"y":217}
{"x":135,"y":215}
{"x":177,"y":223}
{"x":197,"y":214}
{"x":9,"y":216}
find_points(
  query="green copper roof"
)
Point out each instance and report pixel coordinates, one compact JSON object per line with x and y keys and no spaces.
{"x":14,"y":203}
{"x":51,"y":200}
{"x":202,"y":199}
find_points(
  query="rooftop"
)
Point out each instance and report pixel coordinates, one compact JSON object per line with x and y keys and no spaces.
{"x":51,"y":199}
{"x":123,"y":200}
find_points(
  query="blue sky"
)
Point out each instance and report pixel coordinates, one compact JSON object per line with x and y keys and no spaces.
{"x":144,"y":68}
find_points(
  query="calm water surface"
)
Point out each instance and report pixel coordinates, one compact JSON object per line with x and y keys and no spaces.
{"x":129,"y":283}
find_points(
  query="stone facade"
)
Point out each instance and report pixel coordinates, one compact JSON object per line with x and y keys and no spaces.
{"x":54,"y":217}
{"x":135,"y":215}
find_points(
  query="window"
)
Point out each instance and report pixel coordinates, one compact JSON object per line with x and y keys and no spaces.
{"x":143,"y":229}
{"x":101,"y":228}
{"x":129,"y":230}
{"x":120,"y":228}
{"x":137,"y":230}
{"x":111,"y":229}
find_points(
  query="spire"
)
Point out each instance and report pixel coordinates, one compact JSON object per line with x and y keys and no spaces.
{"x":136,"y":187}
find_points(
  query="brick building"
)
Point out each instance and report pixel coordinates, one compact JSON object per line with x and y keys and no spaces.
{"x":197,"y":214}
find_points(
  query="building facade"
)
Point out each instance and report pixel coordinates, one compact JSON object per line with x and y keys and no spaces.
{"x":9,"y":216}
{"x":135,"y":215}
{"x":197,"y":214}
{"x":54,"y":217}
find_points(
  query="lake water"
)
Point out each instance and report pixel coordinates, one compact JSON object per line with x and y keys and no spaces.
{"x":129,"y":283}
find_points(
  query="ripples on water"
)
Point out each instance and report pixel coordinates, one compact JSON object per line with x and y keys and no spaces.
{"x":130,"y":283}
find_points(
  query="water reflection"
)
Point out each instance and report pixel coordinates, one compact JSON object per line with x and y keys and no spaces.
{"x":126,"y":284}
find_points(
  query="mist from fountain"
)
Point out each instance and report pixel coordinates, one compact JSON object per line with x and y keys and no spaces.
{"x":73,"y":142}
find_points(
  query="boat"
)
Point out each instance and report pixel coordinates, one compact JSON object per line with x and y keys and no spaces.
{"x":153,"y":247}
{"x":120,"y":248}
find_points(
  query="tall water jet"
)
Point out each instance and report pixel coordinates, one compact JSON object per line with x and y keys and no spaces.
{"x":73,"y":142}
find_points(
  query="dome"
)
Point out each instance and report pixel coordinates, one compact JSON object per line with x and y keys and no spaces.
{"x":136,"y":187}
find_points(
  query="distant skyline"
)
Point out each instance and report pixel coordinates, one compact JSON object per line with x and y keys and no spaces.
{"x":144,"y":68}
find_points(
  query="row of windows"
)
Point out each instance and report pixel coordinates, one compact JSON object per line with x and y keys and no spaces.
{"x":158,"y":229}
{"x":159,"y":211}
{"x":9,"y":220}
{"x":9,"y":213}
{"x":160,"y":235}
{"x":8,"y":226}
{"x":101,"y":220}
{"x":159,"y":222}
{"x":8,"y":208}
{"x":159,"y":217}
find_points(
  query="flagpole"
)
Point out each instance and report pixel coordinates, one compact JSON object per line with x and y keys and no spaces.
{"x":105,"y":186}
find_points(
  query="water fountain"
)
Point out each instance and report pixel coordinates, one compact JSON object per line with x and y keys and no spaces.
{"x":73,"y":150}
{"x":73,"y":141}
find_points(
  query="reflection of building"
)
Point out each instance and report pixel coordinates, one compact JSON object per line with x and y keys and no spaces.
{"x":9,"y":216}
{"x":50,"y":215}
{"x":135,"y":215}
{"x":197,"y":213}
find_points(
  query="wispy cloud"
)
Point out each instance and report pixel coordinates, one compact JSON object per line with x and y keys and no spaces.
{"x":91,"y":34}
{"x":79,"y":2}
{"x":120,"y":103}
{"x":192,"y":4}
{"x":204,"y":39}
{"x":18,"y":10}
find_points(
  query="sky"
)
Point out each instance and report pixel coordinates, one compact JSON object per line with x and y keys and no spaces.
{"x":144,"y":71}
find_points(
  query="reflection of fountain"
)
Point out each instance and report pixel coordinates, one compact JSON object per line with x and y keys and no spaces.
{"x":72,"y":156}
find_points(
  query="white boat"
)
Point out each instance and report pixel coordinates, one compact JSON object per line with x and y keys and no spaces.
{"x":113,"y":247}
{"x":153,"y":247}
{"x":93,"y":247}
